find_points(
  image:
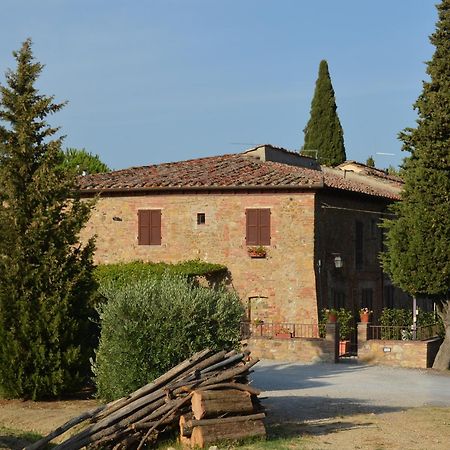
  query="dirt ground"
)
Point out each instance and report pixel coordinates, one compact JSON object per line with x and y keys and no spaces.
{"x":413,"y":428}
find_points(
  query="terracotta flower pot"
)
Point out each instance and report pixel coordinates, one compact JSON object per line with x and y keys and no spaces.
{"x":364,"y":317}
{"x":332,"y":318}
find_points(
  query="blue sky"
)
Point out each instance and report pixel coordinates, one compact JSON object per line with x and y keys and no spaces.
{"x":167,"y":80}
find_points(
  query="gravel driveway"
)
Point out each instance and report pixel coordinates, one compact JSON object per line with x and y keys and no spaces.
{"x":302,"y":392}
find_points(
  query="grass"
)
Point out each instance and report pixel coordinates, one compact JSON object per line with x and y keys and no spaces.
{"x":279,"y":437}
{"x":16,"y":439}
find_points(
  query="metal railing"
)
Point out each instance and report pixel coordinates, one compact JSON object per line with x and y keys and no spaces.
{"x":402,"y":333}
{"x":280,"y":330}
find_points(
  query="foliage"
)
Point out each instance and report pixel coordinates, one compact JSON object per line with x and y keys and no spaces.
{"x":45,"y":274}
{"x":150,"y":325}
{"x":396,"y":317}
{"x":125,"y":273}
{"x":346,"y":323}
{"x":370,"y":161}
{"x":344,"y":318}
{"x":418,"y":239}
{"x":392,"y":170}
{"x":323,"y":132}
{"x":404,"y":318}
{"x":83,"y":162}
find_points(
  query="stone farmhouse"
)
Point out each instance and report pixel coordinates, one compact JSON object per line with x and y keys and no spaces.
{"x":316,"y":228}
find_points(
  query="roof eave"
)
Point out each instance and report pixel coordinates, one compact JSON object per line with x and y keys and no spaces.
{"x":95,"y":191}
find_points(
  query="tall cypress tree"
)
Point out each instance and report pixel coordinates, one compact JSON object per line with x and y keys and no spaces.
{"x":418,"y":240}
{"x":45,"y":274}
{"x":323,"y":133}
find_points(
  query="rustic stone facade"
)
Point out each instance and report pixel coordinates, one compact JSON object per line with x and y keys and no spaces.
{"x":278,"y":288}
{"x":317,"y":215}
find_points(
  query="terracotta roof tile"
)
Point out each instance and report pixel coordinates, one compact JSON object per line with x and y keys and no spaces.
{"x":229,"y":171}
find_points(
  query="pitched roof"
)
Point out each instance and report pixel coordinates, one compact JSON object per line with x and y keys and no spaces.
{"x":233,"y":171}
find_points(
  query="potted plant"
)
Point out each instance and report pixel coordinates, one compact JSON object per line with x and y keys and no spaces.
{"x":364,"y":315}
{"x":257,"y":252}
{"x":331,"y":315}
{"x":344,"y":318}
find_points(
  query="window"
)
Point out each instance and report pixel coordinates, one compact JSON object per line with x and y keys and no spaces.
{"x":149,"y":227}
{"x":359,"y":245}
{"x":258,"y":226}
{"x":201,"y":218}
{"x":338,"y":298}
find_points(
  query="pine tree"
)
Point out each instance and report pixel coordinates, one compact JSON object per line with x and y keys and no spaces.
{"x":45,"y":274}
{"x":323,"y":133}
{"x":418,"y":240}
{"x":82,"y":161}
{"x":370,"y":161}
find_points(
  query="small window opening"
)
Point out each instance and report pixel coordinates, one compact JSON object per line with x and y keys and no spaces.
{"x":201,"y":218}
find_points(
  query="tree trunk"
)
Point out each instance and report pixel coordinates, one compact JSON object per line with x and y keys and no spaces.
{"x":442,"y":360}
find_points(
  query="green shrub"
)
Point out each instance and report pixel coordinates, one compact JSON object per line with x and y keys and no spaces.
{"x":345,"y":320}
{"x":125,"y":273}
{"x":404,"y":318}
{"x":150,"y":325}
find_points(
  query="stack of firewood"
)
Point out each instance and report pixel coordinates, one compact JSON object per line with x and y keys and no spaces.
{"x":222,"y":414}
{"x":202,"y":393}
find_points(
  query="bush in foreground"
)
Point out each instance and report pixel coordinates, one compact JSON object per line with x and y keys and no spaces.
{"x":151,"y":325}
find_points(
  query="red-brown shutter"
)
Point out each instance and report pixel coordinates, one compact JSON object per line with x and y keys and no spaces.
{"x":143,"y":227}
{"x":264,"y":227}
{"x":252,"y":227}
{"x":155,"y":227}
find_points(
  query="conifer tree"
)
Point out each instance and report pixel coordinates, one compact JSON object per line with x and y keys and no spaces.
{"x":323,"y":133}
{"x":81,"y":161}
{"x":370,"y":162}
{"x":45,"y":274}
{"x":418,"y":239}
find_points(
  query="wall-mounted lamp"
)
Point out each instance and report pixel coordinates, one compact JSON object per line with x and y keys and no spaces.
{"x":338,"y":263}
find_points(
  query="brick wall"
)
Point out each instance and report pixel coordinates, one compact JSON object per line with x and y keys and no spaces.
{"x":282,"y":285}
{"x":413,"y":354}
{"x":297,"y":349}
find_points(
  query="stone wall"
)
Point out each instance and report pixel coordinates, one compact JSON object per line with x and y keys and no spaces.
{"x":413,"y":354}
{"x":297,"y":349}
{"x":279,"y":288}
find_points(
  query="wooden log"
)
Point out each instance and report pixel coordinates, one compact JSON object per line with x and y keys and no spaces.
{"x":239,"y":386}
{"x":224,"y":363}
{"x":187,"y":424}
{"x":209,"y":434}
{"x":151,"y":412}
{"x":172,"y":374}
{"x":165,"y":416}
{"x":63,"y":428}
{"x":228,"y":374}
{"x":213,"y":403}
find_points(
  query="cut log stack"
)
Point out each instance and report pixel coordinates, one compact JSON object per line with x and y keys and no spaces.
{"x":223,"y":414}
{"x":207,"y":396}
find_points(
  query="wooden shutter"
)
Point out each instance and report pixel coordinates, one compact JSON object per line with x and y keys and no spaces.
{"x":252,"y":226}
{"x":258,"y":226}
{"x":264,"y":227}
{"x":144,"y":227}
{"x":155,"y":227}
{"x":149,"y":227}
